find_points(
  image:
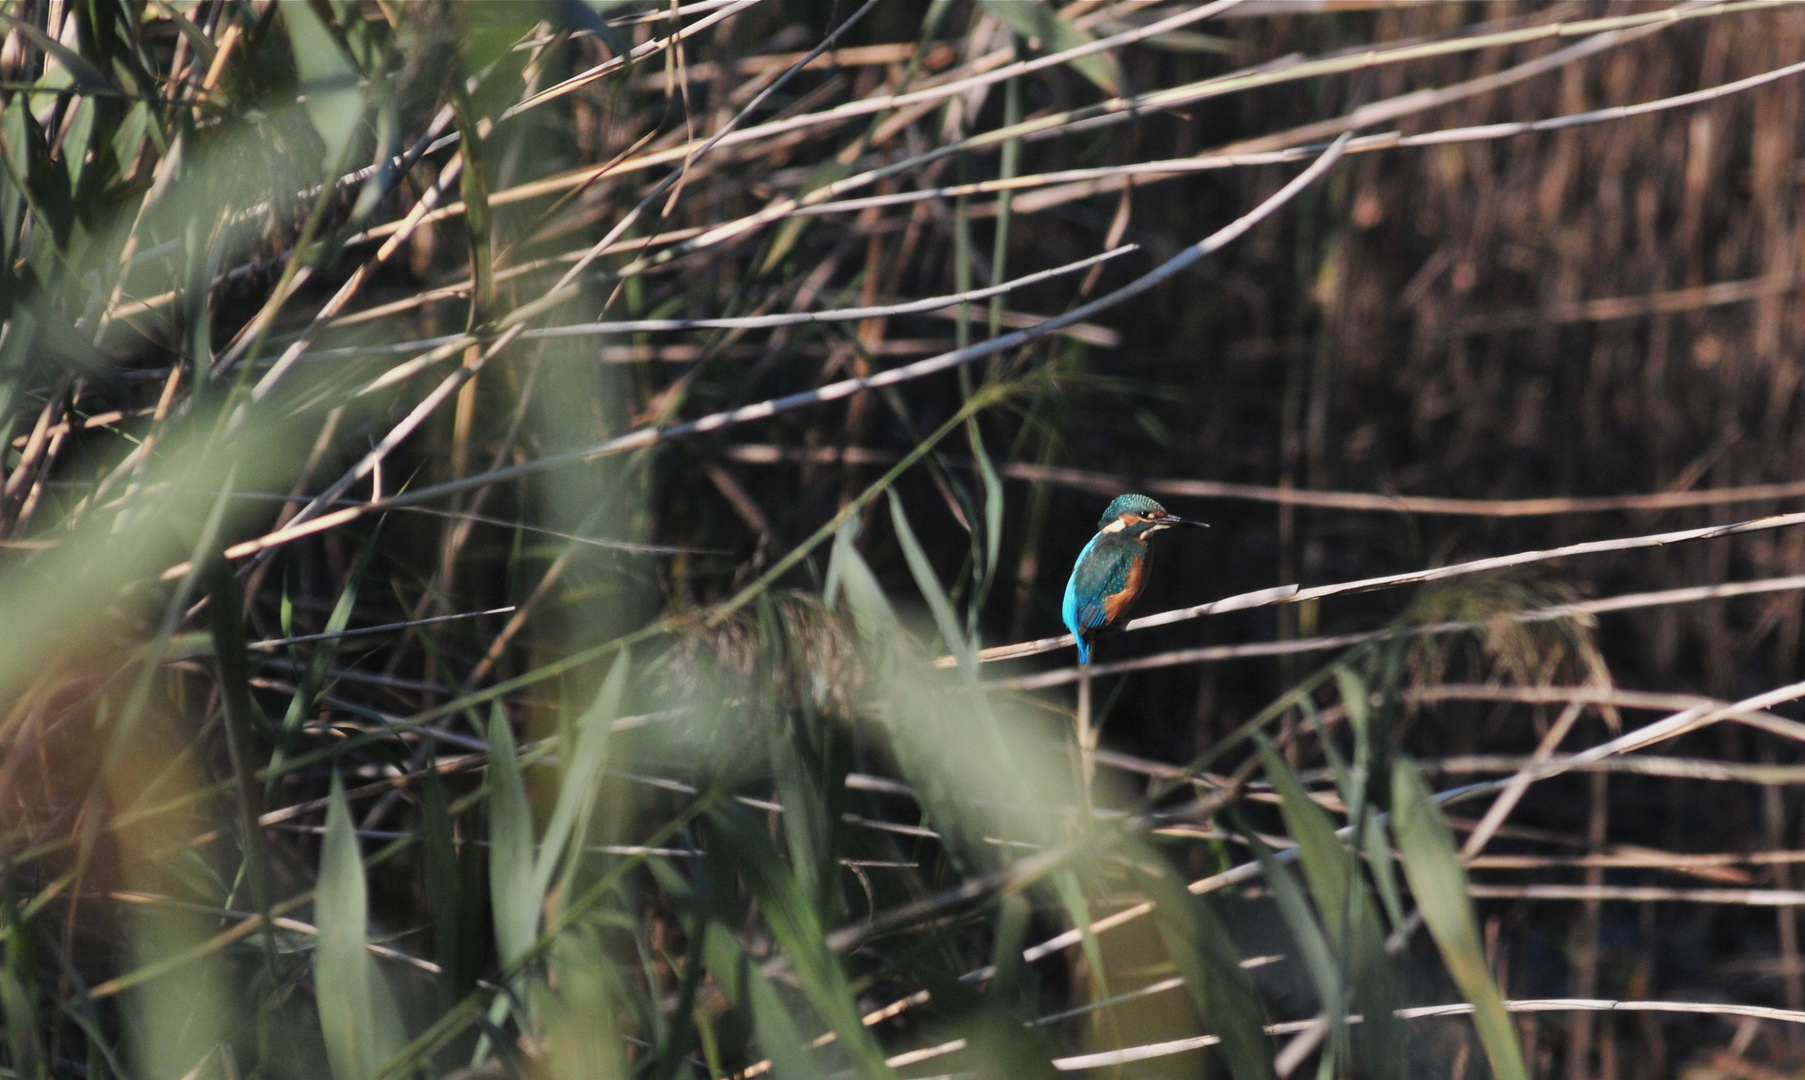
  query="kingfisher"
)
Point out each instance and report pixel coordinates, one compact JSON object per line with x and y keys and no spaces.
{"x":1112,"y":568}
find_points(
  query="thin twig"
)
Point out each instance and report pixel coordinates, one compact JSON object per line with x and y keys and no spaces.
{"x":1508,"y":798}
{"x":792,"y":318}
{"x":1581,"y":610}
{"x":1127,"y":1055}
{"x":385,"y":628}
{"x":1110,"y":484}
{"x":1641,"y":894}
{"x":1292,"y":594}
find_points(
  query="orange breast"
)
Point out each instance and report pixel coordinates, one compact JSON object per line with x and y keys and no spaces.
{"x":1116,"y":605}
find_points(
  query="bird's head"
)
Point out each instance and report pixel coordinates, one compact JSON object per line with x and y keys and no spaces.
{"x":1139,"y":517}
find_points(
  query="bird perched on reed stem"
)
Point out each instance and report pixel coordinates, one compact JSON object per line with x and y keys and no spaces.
{"x":1112,"y":568}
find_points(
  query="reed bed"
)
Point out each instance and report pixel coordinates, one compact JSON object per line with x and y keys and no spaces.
{"x":530,"y":534}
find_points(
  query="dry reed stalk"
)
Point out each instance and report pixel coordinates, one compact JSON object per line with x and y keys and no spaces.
{"x":1292,"y":594}
{"x":1658,"y":860}
{"x":1582,"y":610}
{"x":1151,"y":1051}
{"x":1110,"y":483}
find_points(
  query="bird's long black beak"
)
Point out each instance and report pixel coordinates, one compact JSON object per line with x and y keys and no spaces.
{"x":1169,"y":520}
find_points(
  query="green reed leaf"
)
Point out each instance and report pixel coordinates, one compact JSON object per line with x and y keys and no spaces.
{"x":737,"y":837}
{"x":1038,"y":21}
{"x":329,"y":80}
{"x":1205,"y":955}
{"x":931,"y":590}
{"x":581,"y":1012}
{"x":1439,"y":883}
{"x":1326,"y":860}
{"x":808,"y":763}
{"x":1321,"y":961}
{"x":865,"y":597}
{"x":445,"y":894}
{"x":307,"y":688}
{"x":21,"y":1028}
{"x":1376,"y":847}
{"x":511,"y":875}
{"x":568,"y":827}
{"x":988,"y":546}
{"x":359,"y":1020}
{"x":774,"y":1030}
{"x":88,"y":77}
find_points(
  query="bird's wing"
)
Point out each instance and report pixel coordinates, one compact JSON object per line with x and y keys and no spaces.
{"x":1102,"y":571}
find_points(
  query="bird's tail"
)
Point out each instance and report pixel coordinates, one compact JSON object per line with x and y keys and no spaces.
{"x":1084,"y":649}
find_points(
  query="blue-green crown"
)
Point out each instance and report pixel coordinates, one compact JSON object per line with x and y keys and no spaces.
{"x":1129,"y":504}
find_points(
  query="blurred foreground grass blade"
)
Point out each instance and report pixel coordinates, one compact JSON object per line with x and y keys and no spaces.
{"x":809,"y":763}
{"x":680,"y":1032}
{"x":1376,"y":848}
{"x":997,"y":1042}
{"x":1327,"y":862}
{"x":1432,"y":867}
{"x":749,"y":850}
{"x":21,"y":1028}
{"x":1326,"y":870}
{"x":969,"y":780}
{"x":313,"y":678}
{"x":511,"y":874}
{"x":1351,"y":786}
{"x":447,"y":901}
{"x":773,"y":1029}
{"x":358,"y":1016}
{"x":475,"y":190}
{"x":774,"y":1032}
{"x":1321,"y":959}
{"x":1200,"y":946}
{"x":831,"y":580}
{"x":180,"y":998}
{"x":580,"y":914}
{"x":576,"y":15}
{"x":244,"y":723}
{"x":1347,"y":909}
{"x":584,"y":757}
{"x":1377,"y":994}
{"x":987,"y":547}
{"x":1078,"y":912}
{"x":329,"y":80}
{"x":581,"y":1030}
{"x":865,"y":599}
{"x":1039,"y":21}
{"x":654,"y":1016}
{"x":86,"y":75}
{"x":931,"y":590}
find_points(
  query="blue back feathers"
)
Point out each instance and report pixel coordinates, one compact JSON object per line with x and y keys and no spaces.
{"x":1074,"y":608}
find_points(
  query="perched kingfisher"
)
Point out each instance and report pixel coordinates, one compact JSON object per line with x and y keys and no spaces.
{"x":1112,"y":568}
